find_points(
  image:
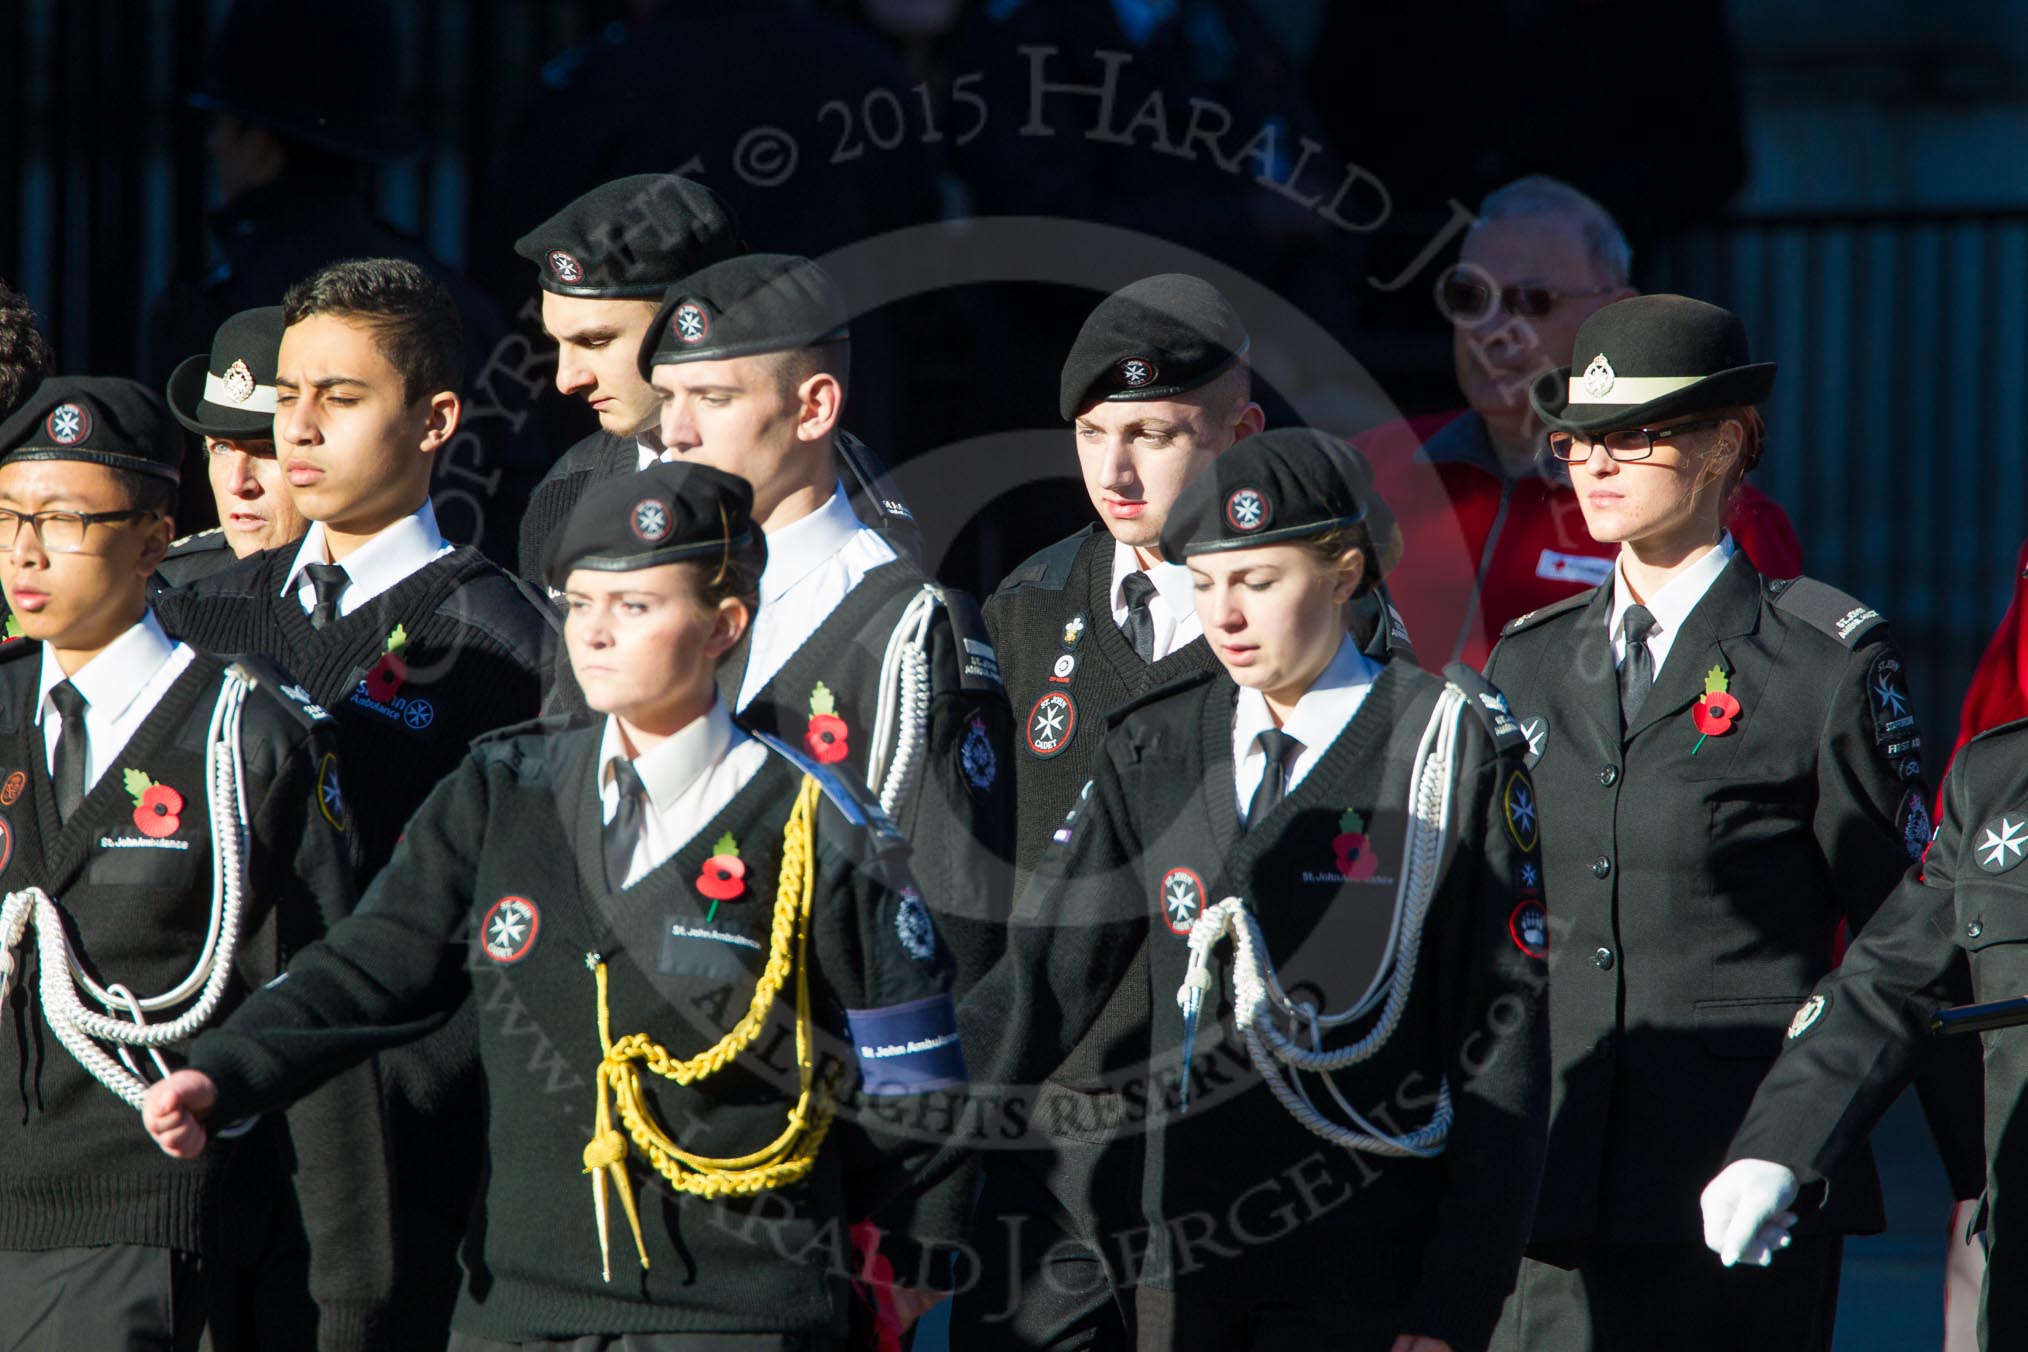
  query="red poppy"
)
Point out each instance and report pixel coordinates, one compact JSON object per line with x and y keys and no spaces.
{"x":1714,"y":713}
{"x":158,"y":814}
{"x":386,"y":678}
{"x":826,"y":738}
{"x":723,"y":877}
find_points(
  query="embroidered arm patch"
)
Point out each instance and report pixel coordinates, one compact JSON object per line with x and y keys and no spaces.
{"x":909,"y":1048}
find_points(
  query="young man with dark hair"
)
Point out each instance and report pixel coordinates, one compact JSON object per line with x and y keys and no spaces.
{"x":415,"y":646}
{"x":25,"y":358}
{"x":110,"y":817}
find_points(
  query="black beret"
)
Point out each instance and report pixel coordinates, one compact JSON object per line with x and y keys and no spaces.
{"x":631,"y":238}
{"x":753,"y":303}
{"x":1273,"y":487}
{"x":1154,"y":339}
{"x":105,"y":420}
{"x":231,"y":393}
{"x":664,"y":514}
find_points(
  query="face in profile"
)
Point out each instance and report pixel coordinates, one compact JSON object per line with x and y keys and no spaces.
{"x":1274,"y":615}
{"x":66,"y":579}
{"x":643,"y":644}
{"x":254,"y":507}
{"x":597,"y":341}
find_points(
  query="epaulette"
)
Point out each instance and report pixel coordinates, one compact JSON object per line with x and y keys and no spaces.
{"x":196,"y":541}
{"x":2016,"y":725}
{"x":1048,"y":568}
{"x":1535,"y":617}
{"x":546,"y":725}
{"x":978,"y":663}
{"x":459,"y":605}
{"x":1485,"y":700}
{"x":1188,"y":681}
{"x":1822,"y":606}
{"x":267,"y":674}
{"x":854,"y":802}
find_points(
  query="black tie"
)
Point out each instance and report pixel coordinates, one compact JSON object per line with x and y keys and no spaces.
{"x":623,"y":832}
{"x":1637,"y":668}
{"x":69,"y":773}
{"x":329,"y":580}
{"x":1281,"y":751}
{"x":1140,"y":626}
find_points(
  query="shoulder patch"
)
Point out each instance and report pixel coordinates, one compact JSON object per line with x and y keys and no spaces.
{"x":1822,"y":606}
{"x":1535,"y":617}
{"x":267,"y":675}
{"x":1047,"y":569}
{"x":978,"y":663}
{"x":853,"y":802}
{"x":1161,"y":692}
{"x":1485,"y":700}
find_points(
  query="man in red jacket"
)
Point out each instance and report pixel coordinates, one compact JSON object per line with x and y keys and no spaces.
{"x":1492,"y":523}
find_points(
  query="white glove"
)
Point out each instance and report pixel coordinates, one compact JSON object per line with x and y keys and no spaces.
{"x":1746,"y":1215}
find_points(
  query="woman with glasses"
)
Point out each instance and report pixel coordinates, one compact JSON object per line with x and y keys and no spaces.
{"x":1728,"y":766}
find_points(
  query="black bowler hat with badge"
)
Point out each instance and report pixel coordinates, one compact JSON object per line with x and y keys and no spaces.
{"x":101,"y":420}
{"x":1278,"y":487}
{"x":1647,"y":360}
{"x":632,"y":238}
{"x":230,"y":393}
{"x":1153,"y":339}
{"x":746,"y":305}
{"x":667,"y":513}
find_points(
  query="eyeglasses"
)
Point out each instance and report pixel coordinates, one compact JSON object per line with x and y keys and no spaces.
{"x":1628,"y":443}
{"x":60,"y":532}
{"x":1469,"y":300}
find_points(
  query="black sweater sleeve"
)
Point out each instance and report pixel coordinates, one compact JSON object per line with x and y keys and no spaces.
{"x":382,"y":977}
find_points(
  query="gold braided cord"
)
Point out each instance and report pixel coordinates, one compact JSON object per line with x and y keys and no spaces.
{"x":790,"y":1156}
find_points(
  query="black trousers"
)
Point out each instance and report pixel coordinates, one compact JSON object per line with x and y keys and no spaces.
{"x":1045,"y":1283}
{"x":1225,"y":1321}
{"x":120,"y":1298}
{"x":1674,"y":1298}
{"x":650,"y":1342}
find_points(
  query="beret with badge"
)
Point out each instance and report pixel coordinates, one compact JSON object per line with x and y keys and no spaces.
{"x":631,"y":238}
{"x":1153,"y":339}
{"x":667,"y":513}
{"x":1648,"y":359}
{"x":1274,"y":487}
{"x":745,"y":305}
{"x":231,"y":393}
{"x":102,"y":420}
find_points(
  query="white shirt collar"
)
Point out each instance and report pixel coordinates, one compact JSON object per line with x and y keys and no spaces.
{"x":673,"y":766}
{"x":1172,"y":582}
{"x":111,"y":680}
{"x":648,"y":450}
{"x":390,"y":557}
{"x":803,"y":546}
{"x":1670,"y":606}
{"x":1320,"y":716}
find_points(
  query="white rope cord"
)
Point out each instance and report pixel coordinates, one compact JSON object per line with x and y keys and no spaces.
{"x":903,"y":719}
{"x":1258,"y":994}
{"x":63,"y":1007}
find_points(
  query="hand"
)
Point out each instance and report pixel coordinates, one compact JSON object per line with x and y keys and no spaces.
{"x":1746,"y":1215}
{"x":1415,"y":1342}
{"x":911,"y":1305}
{"x":175,"y":1111}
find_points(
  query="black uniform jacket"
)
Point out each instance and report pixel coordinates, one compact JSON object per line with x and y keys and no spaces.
{"x":131,"y":871}
{"x":507,"y":851}
{"x":1238,"y":1195}
{"x":1956,"y":928}
{"x":1696,"y":882}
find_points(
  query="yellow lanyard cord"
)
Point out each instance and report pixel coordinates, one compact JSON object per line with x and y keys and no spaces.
{"x":790,"y":1155}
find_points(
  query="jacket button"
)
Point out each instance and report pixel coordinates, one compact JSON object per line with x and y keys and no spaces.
{"x":1604,"y":959}
{"x":1972,"y":931}
{"x":1601,"y":867}
{"x":1609,"y":776}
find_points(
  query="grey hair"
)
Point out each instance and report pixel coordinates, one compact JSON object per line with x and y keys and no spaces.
{"x":1541,"y":195}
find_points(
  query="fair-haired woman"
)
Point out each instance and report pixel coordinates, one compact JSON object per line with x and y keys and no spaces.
{"x":1728,"y":767}
{"x":1348,"y":1158}
{"x":679,"y":935}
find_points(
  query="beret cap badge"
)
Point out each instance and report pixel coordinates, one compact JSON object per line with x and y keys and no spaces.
{"x":1136,"y":372}
{"x":1599,"y":377}
{"x":1246,"y":510}
{"x":239,"y":382}
{"x":689,"y":323}
{"x":650,"y":521}
{"x":69,"y":424}
{"x":564,"y":266}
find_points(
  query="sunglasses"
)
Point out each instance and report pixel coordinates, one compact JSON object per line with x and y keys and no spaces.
{"x":1629,"y":443}
{"x":1469,"y":300}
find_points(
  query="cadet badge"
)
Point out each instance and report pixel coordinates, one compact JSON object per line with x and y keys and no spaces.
{"x":2000,"y":846}
{"x":1715,"y":708}
{"x":1528,"y":927}
{"x":157,"y":807}
{"x":1807,"y":1016}
{"x":330,"y":799}
{"x":1914,"y":823}
{"x":68,"y":424}
{"x":1051,"y":724}
{"x":912,"y":925}
{"x":566,"y":268}
{"x":384,"y":682}
{"x":1356,"y":859}
{"x":649,"y":521}
{"x":1073,"y":630}
{"x":1519,"y":801}
{"x":827,"y":736}
{"x":1182,"y":899}
{"x":976,"y":757}
{"x":1599,"y":377}
{"x":1536,"y":730}
{"x":1247,"y":510}
{"x":723,"y":877}
{"x":508,"y":929}
{"x":11,"y":790}
{"x":689,"y":323}
{"x":1137,"y":372}
{"x":239,"y":382}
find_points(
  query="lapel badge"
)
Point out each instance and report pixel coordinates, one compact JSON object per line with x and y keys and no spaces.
{"x":1715,"y":708}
